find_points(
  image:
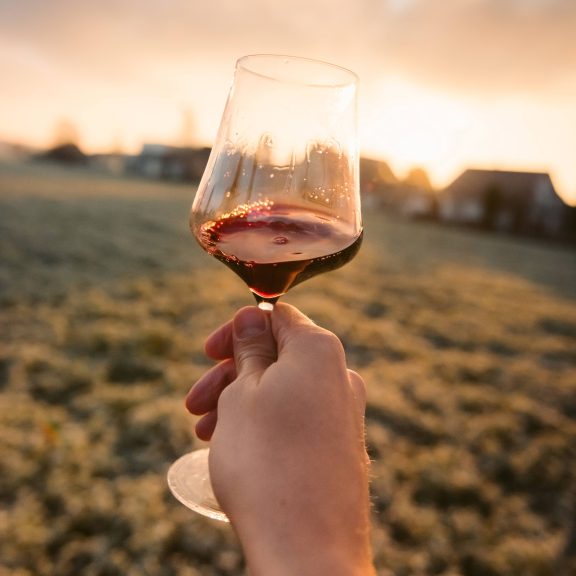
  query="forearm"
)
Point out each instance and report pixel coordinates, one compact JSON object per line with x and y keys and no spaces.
{"x":305,"y":557}
{"x":329,"y":563}
{"x":300,"y":539}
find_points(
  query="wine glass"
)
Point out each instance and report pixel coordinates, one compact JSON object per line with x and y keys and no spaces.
{"x":279,"y":200}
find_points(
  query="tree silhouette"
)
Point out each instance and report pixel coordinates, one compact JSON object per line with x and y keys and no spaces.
{"x":418,"y":177}
{"x":187,"y":128}
{"x":65,"y":133}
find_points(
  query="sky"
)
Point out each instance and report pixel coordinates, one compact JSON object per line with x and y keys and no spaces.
{"x":444,"y":84}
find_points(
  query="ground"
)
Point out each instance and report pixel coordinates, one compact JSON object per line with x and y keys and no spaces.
{"x":467,"y":343}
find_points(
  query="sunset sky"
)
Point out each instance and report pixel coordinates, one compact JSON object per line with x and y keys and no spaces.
{"x":445,"y":84}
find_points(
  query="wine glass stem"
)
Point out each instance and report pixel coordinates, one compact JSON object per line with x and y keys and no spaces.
{"x":268,"y":306}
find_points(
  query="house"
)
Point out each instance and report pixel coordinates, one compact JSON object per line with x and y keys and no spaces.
{"x":377,"y":183}
{"x":112,"y":162}
{"x":158,"y":161}
{"x":412,"y":197}
{"x":515,"y":202}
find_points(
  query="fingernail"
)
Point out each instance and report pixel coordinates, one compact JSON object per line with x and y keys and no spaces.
{"x":249,"y":322}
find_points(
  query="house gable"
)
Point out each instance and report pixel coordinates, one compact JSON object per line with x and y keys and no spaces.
{"x":524,"y":202}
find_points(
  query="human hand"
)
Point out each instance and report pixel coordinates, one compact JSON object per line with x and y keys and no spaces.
{"x":287,"y":462}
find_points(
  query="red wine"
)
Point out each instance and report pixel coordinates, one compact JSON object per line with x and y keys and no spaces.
{"x":274,"y":247}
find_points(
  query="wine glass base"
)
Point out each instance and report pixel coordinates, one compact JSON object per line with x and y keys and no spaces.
{"x":189,"y":482}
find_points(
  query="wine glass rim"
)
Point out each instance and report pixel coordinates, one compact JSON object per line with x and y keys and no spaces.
{"x":342,"y":76}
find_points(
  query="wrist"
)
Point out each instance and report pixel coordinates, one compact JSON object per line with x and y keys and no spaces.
{"x":279,"y":551}
{"x":335,"y":562}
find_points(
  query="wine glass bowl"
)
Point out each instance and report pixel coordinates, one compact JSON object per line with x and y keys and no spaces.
{"x":279,"y":200}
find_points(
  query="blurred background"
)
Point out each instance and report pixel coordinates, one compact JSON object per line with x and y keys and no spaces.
{"x":460,"y":308}
{"x":444,"y":85}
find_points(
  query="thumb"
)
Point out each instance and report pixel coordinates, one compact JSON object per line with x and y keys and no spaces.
{"x":254,"y":344}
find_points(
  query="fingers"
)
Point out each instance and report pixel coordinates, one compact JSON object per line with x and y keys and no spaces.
{"x":219,"y":345}
{"x":308,"y":347}
{"x":253,"y":342}
{"x":245,"y":345}
{"x":285,"y":320}
{"x":203,"y":397}
{"x":295,"y":331}
{"x":206,"y":425}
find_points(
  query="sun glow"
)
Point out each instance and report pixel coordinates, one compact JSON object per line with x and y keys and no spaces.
{"x":410,"y":126}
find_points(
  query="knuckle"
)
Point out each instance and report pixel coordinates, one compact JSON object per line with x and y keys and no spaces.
{"x":260,"y":352}
{"x":328,"y":343}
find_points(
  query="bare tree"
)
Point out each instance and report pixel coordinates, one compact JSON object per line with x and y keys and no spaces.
{"x":65,"y":133}
{"x":187,"y":129}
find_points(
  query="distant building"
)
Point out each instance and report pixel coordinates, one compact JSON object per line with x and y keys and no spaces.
{"x":69,"y":154}
{"x":12,"y":152}
{"x":412,"y":197}
{"x":377,"y":183}
{"x":516,"y":202}
{"x":113,"y":163}
{"x":158,"y":161}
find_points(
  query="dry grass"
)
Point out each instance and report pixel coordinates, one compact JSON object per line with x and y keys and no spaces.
{"x":467,"y":343}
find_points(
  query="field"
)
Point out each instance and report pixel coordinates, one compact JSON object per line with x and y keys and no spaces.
{"x":467,"y":343}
